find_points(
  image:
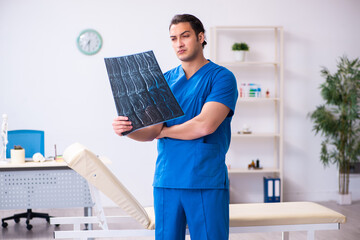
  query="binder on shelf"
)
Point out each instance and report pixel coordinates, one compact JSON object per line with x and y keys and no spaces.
{"x":272,"y":189}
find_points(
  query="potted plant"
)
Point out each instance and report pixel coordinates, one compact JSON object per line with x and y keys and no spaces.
{"x":240,"y":49}
{"x":17,"y":155}
{"x":338,"y":121}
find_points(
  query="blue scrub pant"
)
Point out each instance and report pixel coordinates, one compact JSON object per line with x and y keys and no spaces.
{"x":205,"y":211}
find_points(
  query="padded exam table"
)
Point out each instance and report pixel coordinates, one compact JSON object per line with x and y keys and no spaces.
{"x":244,"y":218}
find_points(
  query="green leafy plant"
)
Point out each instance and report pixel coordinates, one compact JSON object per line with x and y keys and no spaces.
{"x":338,"y":118}
{"x":240,"y":47}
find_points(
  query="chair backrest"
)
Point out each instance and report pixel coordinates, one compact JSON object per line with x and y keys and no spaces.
{"x":31,"y":140}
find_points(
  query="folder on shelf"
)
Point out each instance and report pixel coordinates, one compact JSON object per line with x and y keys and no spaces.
{"x":277,"y":184}
{"x":271,"y":189}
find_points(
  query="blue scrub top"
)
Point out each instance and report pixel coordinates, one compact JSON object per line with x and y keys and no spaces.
{"x":198,"y":163}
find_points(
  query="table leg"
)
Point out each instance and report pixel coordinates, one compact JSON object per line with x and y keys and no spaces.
{"x":285,"y":235}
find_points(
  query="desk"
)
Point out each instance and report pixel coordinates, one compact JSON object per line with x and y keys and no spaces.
{"x":49,"y":184}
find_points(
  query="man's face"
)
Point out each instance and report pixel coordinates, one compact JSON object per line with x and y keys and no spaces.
{"x":184,"y":41}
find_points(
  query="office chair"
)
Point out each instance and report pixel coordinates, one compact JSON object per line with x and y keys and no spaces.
{"x":33,"y":142}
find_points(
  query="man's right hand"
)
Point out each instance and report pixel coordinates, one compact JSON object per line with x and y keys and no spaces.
{"x":121,"y":124}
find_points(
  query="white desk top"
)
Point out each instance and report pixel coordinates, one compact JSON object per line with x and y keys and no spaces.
{"x":31,"y":164}
{"x":47,"y":163}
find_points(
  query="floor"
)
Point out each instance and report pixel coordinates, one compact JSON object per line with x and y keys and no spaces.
{"x":42,"y":230}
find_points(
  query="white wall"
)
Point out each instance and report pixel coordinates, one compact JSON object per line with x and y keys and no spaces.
{"x":46,"y":83}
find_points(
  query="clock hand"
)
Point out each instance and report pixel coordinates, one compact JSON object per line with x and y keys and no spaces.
{"x":88,"y":45}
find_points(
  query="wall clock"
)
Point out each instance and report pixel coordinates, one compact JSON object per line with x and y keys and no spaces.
{"x":89,"y":42}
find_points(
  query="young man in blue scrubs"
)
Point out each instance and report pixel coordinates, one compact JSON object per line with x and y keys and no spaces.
{"x":191,"y":183}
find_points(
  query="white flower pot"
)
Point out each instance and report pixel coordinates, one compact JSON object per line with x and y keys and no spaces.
{"x":17,"y":156}
{"x":240,"y":55}
{"x":344,"y":199}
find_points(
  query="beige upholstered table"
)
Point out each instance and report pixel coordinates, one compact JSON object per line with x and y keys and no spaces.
{"x":254,"y":217}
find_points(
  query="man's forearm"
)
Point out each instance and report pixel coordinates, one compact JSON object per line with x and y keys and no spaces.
{"x":146,"y":134}
{"x":189,"y":130}
{"x":211,"y":116}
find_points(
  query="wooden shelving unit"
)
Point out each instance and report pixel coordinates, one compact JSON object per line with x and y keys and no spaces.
{"x":265,"y":55}
{"x":245,"y":170}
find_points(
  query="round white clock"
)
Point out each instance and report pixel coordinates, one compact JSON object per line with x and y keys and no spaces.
{"x":89,"y":42}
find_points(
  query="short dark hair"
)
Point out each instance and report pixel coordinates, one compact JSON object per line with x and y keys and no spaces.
{"x":195,"y":23}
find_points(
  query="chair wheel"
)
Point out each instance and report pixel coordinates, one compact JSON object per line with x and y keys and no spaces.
{"x":57,"y":225}
{"x":29,"y":227}
{"x":17,"y":220}
{"x":4,"y":224}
